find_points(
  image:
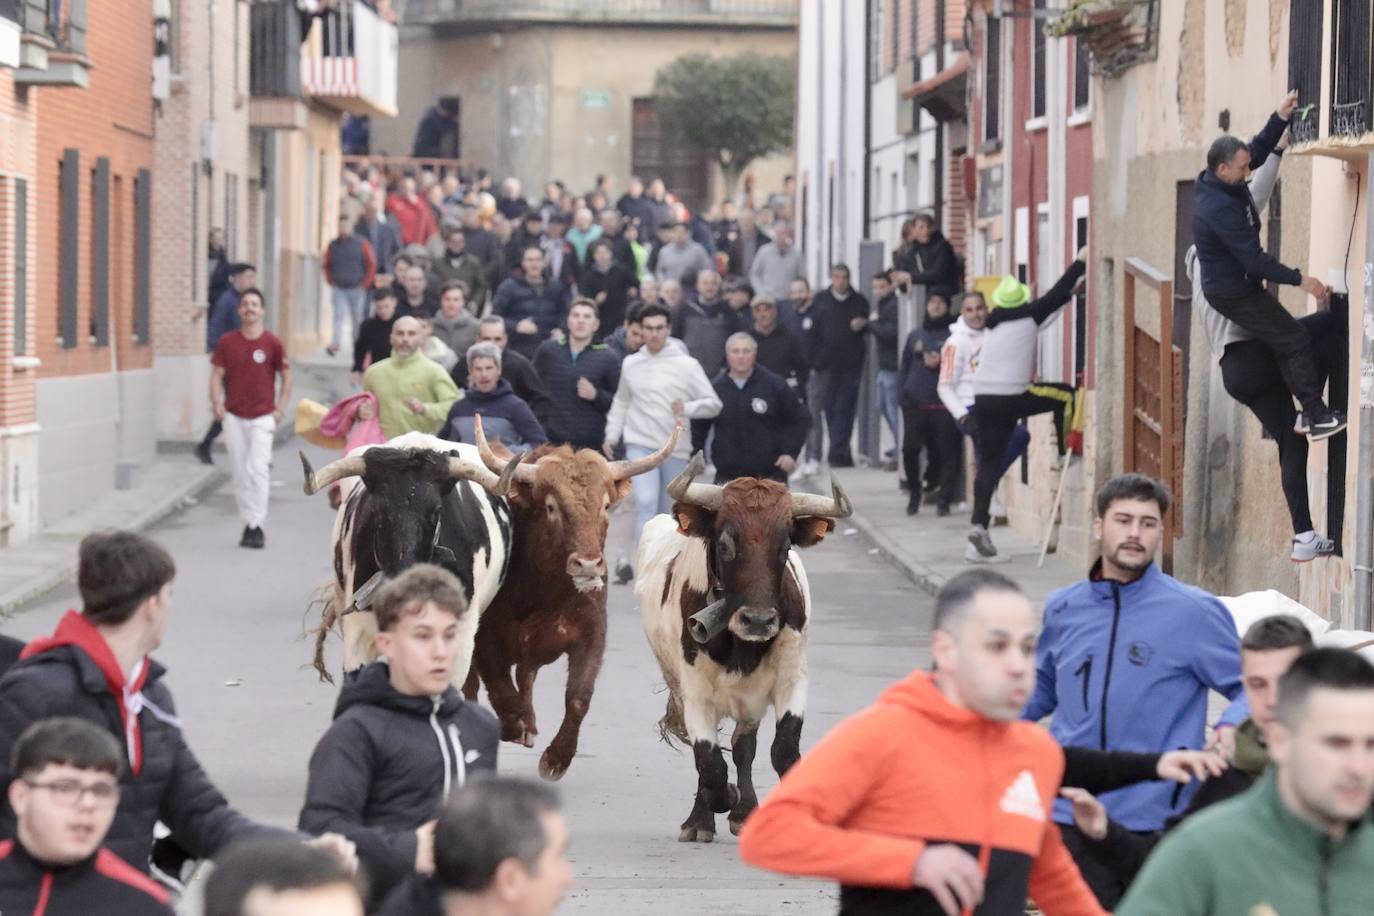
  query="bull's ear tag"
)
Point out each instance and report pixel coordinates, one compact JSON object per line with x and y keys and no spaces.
{"x":362,"y":597}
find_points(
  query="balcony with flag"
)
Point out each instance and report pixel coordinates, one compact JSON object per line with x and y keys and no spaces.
{"x":348,"y":60}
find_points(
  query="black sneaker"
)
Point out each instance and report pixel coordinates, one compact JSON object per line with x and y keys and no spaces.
{"x":254,"y":538}
{"x":624,"y":572}
{"x":1326,"y":425}
{"x":942,"y":510}
{"x":203,"y":452}
{"x":913,"y":505}
{"x":246,"y":537}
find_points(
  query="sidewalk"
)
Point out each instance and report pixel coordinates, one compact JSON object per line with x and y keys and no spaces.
{"x":928,"y":549}
{"x":48,"y":560}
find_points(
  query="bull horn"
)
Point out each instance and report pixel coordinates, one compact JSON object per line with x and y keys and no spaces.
{"x":837,"y":505}
{"x":620,"y":470}
{"x":460,"y":469}
{"x":706,"y":495}
{"x":315,"y":481}
{"x":523,"y":472}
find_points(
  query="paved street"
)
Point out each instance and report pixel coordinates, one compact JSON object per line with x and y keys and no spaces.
{"x":252,"y":707}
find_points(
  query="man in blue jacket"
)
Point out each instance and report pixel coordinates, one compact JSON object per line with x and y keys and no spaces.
{"x":762,"y":424}
{"x":1234,"y":267}
{"x":1125,"y":660}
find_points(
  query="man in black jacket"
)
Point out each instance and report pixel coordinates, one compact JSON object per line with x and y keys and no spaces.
{"x":64,"y":796}
{"x":840,"y":319}
{"x":582,"y":377}
{"x":761,"y":427}
{"x":780,"y":351}
{"x":884,"y":327}
{"x":1234,"y":266}
{"x":929,"y":259}
{"x":515,"y":368}
{"x":96,"y":667}
{"x":403,"y":738}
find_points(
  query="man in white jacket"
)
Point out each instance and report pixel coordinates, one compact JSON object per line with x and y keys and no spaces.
{"x":1250,"y":374}
{"x":659,"y":385}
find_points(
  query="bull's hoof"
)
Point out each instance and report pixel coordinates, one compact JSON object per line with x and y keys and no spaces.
{"x":527,"y":738}
{"x":737,"y":820}
{"x":728,"y":801}
{"x":692,"y":833}
{"x":550,"y":769}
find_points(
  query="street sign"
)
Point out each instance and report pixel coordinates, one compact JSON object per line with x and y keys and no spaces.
{"x":595,"y":98}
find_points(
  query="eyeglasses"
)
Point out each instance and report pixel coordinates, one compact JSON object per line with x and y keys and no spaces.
{"x":68,"y":792}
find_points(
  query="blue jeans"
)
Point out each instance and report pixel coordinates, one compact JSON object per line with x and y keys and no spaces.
{"x":888,"y":395}
{"x":650,"y":489}
{"x":350,"y":304}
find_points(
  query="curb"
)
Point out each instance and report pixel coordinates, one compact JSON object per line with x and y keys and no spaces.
{"x":53,"y":578}
{"x":921,"y":575}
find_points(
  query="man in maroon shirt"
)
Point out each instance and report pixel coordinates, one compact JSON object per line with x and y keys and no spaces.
{"x":243,"y":392}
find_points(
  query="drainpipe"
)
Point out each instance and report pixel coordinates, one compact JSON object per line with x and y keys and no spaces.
{"x":869,"y":26}
{"x":1364,"y":491}
{"x":940,"y":128}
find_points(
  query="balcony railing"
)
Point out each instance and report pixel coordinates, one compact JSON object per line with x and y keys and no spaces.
{"x":350,"y":60}
{"x":474,"y":13}
{"x":54,"y":43}
{"x":1335,"y":118}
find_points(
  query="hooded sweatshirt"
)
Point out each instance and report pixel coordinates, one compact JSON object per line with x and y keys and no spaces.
{"x":642,"y":410}
{"x":958,"y":360}
{"x":911,"y":771}
{"x":1104,"y":647}
{"x":386,"y":765}
{"x":75,"y":673}
{"x":504,"y":416}
{"x":1007,"y":363}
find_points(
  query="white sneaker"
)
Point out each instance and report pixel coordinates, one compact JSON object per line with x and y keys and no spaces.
{"x":810,"y":468}
{"x":1305,"y":550}
{"x":998,"y":510}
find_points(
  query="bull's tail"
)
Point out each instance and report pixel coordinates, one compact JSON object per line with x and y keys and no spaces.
{"x":327,"y":598}
{"x":673,"y":726}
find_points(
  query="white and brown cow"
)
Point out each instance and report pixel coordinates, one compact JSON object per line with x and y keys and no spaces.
{"x":731,"y":548}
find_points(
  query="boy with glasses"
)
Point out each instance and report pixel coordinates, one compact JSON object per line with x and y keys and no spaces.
{"x":64,"y":795}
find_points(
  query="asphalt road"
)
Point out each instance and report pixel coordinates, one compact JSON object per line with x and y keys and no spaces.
{"x":252,"y":707}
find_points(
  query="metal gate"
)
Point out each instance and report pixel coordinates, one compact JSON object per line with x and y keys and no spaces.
{"x":1154,"y":396}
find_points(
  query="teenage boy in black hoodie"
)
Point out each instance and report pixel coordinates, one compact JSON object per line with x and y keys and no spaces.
{"x":403,"y":738}
{"x":65,"y":795}
{"x":373,"y":343}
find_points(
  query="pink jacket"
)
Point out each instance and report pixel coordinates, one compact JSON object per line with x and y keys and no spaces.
{"x":342,"y":420}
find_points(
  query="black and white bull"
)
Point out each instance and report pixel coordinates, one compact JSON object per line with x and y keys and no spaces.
{"x":731,"y":548}
{"x":417,"y":499}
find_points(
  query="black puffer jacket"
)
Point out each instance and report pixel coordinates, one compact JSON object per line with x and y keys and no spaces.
{"x":577,"y":421}
{"x":69,"y":675}
{"x":385,"y":766}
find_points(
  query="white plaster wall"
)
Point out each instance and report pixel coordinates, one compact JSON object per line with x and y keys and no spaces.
{"x":77,"y":445}
{"x":19,"y":482}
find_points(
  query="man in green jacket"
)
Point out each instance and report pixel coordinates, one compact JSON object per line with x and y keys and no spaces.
{"x":1300,"y":841}
{"x":414,"y":393}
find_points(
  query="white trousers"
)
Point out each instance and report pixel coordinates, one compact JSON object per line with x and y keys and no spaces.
{"x":250,"y":460}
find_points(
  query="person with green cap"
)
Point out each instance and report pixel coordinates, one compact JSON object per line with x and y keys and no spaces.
{"x":1002,"y":389}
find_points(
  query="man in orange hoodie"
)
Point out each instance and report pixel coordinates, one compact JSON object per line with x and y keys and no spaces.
{"x":935,"y":799}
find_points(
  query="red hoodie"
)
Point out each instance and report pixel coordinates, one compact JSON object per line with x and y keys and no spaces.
{"x":75,"y":630}
{"x":914,"y":770}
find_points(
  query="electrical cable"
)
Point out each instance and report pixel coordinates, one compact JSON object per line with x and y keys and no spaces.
{"x":1345,"y":265}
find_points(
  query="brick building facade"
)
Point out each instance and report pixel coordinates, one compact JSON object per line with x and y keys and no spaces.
{"x":18,"y":362}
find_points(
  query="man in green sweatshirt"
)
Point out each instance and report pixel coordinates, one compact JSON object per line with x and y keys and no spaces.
{"x":1300,"y":841}
{"x":413,"y":392}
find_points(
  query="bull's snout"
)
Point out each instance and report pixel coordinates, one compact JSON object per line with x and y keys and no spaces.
{"x":583,"y":566}
{"x":758,"y":620}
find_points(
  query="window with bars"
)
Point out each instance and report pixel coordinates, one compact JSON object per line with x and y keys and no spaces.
{"x":1037,"y":26}
{"x":875,"y":40}
{"x":1082,"y":75}
{"x":1305,"y":66}
{"x":992,"y":80}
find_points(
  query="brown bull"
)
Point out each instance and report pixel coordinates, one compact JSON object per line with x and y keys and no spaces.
{"x":553,"y":601}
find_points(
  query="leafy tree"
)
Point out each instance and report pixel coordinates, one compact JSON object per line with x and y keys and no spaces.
{"x":738,"y":108}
